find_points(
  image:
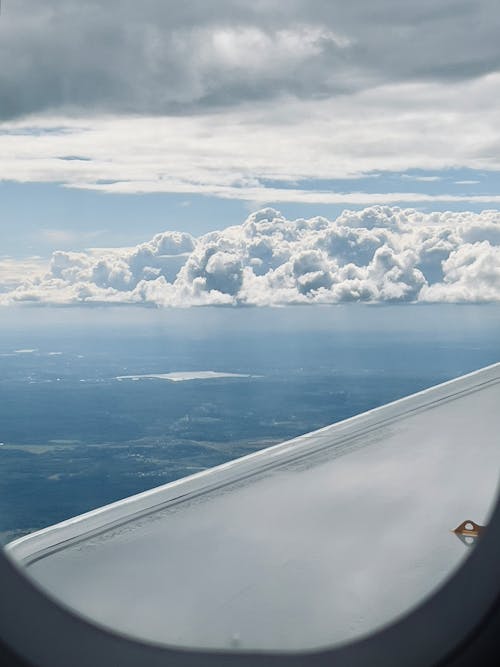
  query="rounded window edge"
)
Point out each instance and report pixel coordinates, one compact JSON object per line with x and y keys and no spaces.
{"x":44,"y":633}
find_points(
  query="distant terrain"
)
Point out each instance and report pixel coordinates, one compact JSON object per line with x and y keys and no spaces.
{"x":74,"y":437}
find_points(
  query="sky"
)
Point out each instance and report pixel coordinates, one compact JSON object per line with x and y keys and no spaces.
{"x":131,"y":132}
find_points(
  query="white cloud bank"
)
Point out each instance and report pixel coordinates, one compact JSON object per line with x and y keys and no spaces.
{"x":379,"y":254}
{"x":271,"y":152}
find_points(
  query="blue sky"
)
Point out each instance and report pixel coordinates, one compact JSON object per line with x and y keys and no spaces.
{"x":38,"y":218}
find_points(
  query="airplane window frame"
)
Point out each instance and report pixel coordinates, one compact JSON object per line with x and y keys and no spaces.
{"x":38,"y":631}
{"x":440,"y":630}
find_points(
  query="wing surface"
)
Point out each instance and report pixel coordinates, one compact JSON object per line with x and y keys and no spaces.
{"x":312,"y":542}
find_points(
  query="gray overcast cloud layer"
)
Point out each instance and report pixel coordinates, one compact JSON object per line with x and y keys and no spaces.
{"x":125,"y":56}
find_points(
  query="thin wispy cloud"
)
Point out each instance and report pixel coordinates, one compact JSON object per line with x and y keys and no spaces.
{"x":422,"y":179}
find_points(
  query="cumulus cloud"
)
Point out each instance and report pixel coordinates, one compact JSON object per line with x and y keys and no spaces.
{"x":13,"y":272}
{"x":471,"y":274}
{"x":379,"y":254}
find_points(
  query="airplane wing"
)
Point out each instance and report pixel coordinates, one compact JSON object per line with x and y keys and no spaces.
{"x":313,"y":542}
